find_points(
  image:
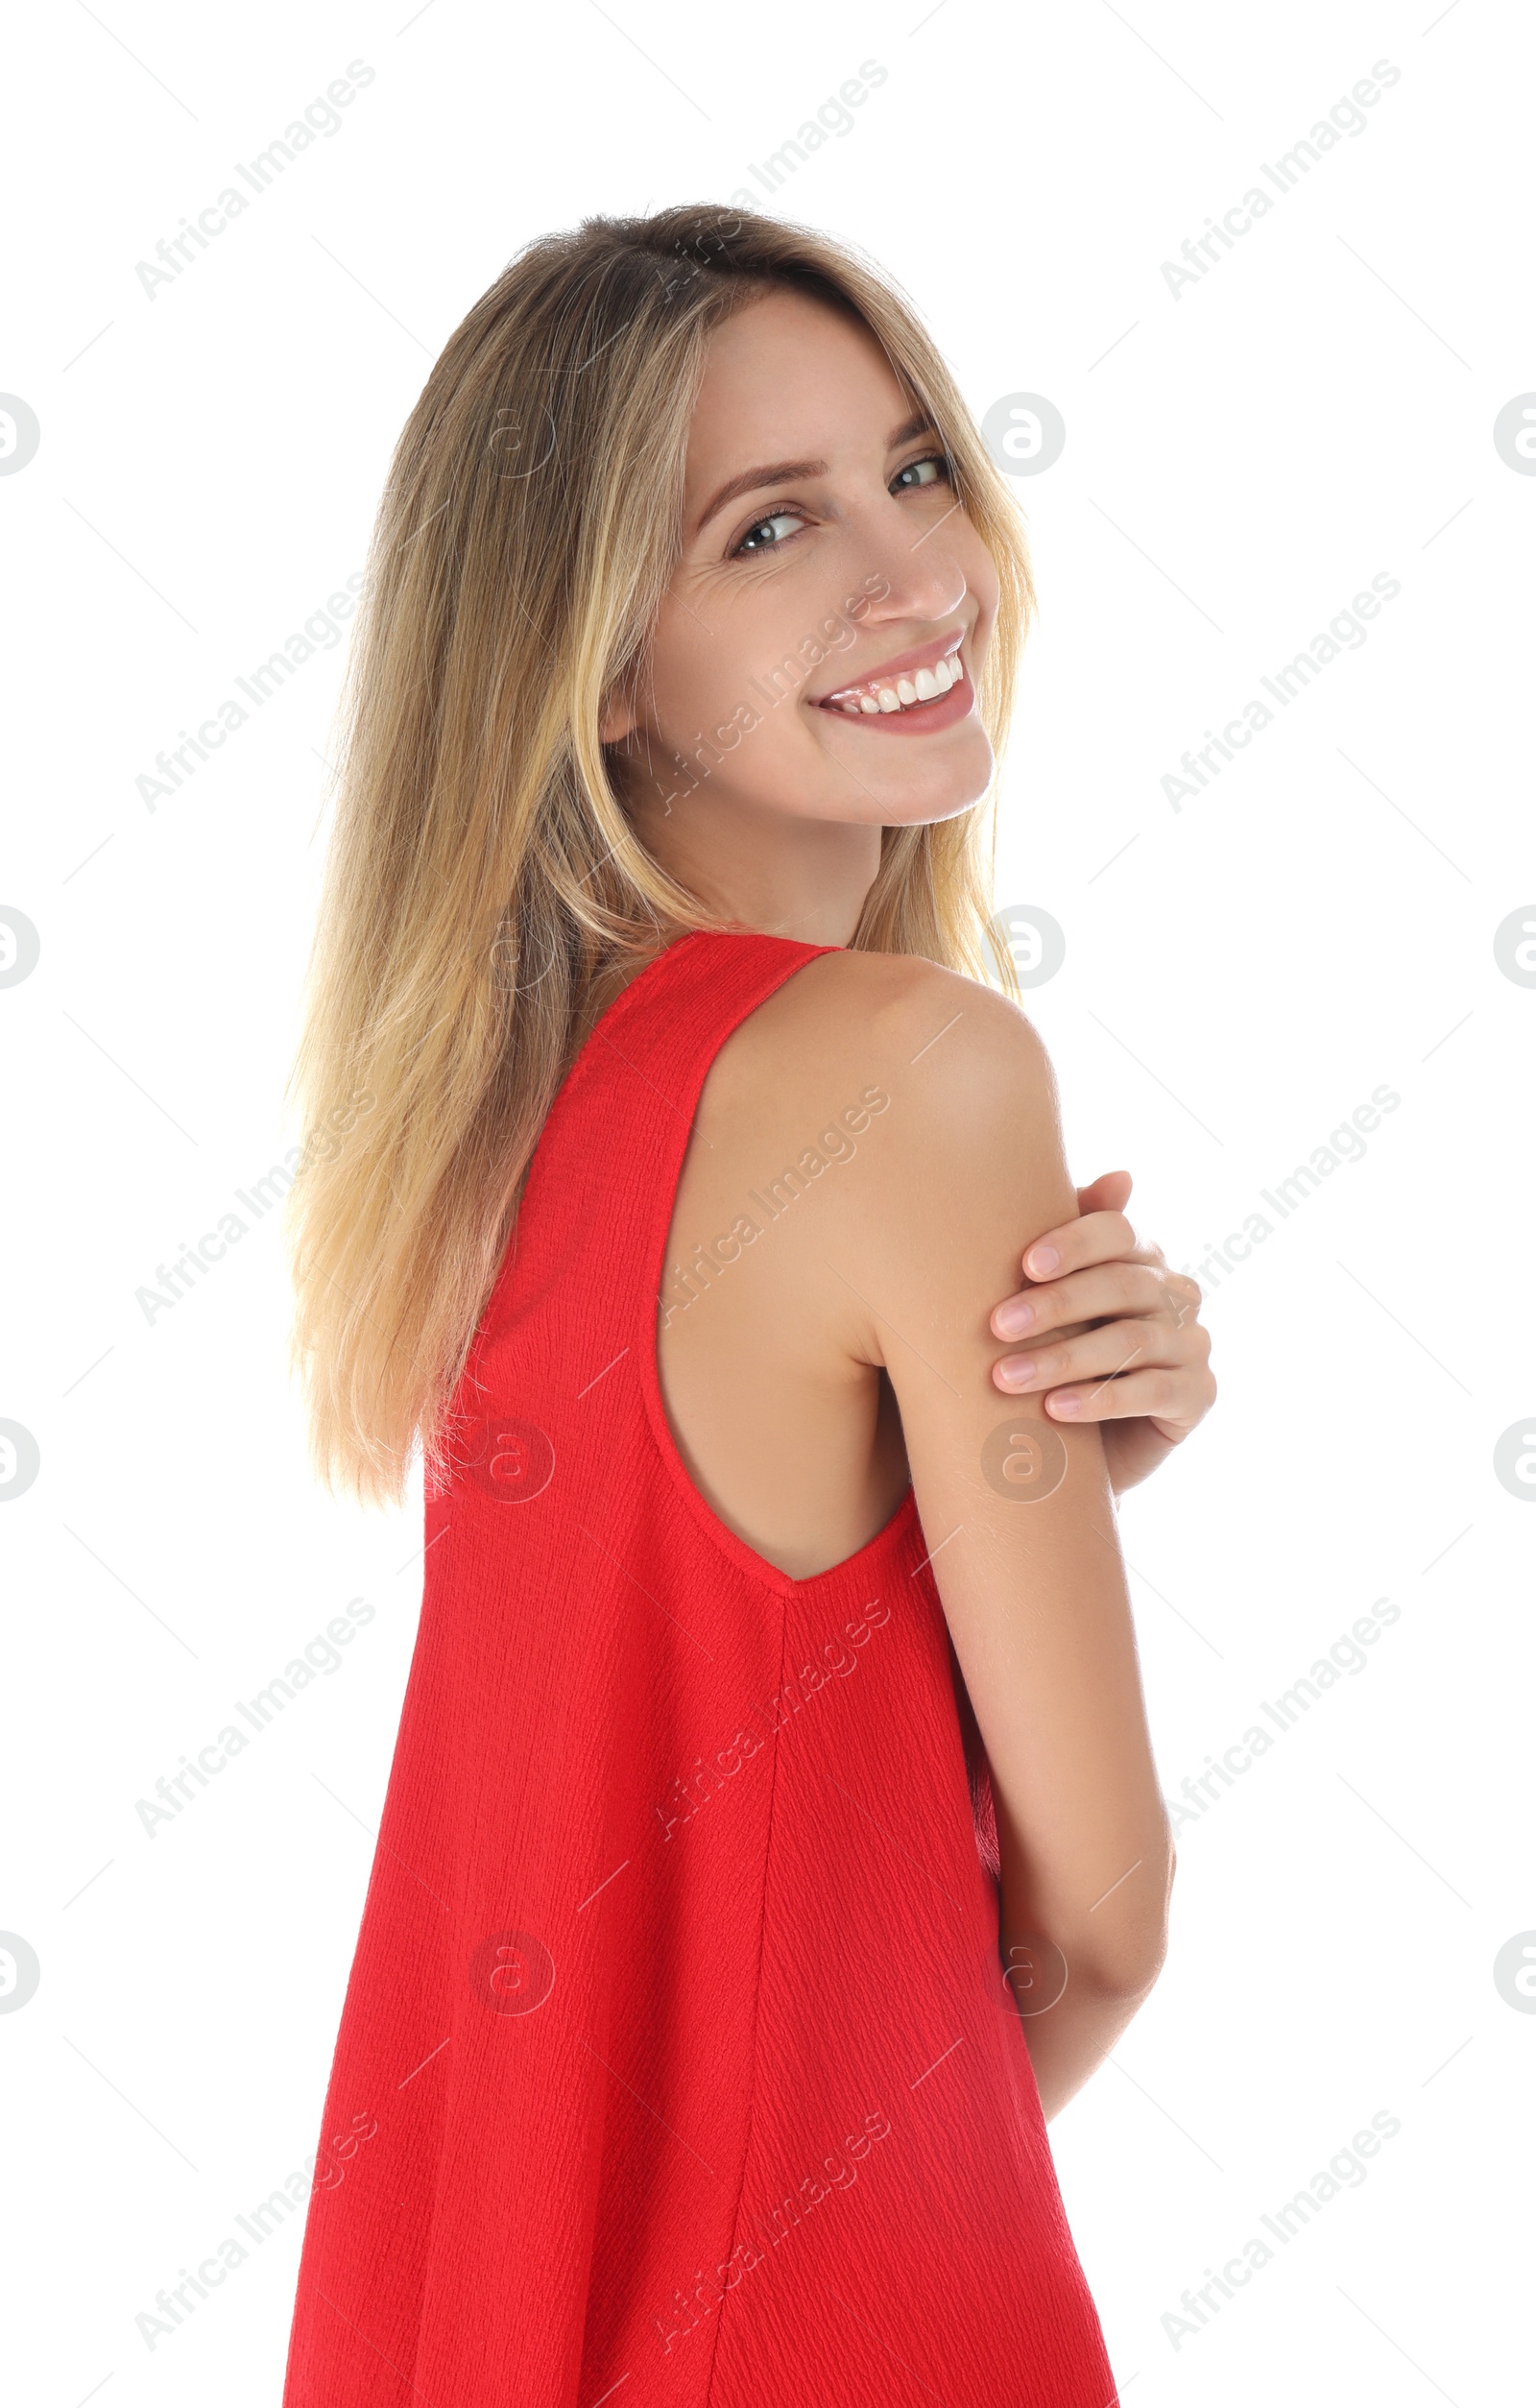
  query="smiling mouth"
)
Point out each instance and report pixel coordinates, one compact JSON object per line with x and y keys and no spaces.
{"x":914,"y":685}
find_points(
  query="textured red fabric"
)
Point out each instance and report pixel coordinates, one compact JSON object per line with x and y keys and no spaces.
{"x":676,"y":2065}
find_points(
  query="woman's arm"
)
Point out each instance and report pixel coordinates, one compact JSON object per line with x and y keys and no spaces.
{"x":1018,"y":1515}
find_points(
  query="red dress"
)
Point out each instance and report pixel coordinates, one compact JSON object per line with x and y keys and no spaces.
{"x":676,"y":2067}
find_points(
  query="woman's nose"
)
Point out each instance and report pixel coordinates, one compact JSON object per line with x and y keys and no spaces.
{"x":919,"y":570}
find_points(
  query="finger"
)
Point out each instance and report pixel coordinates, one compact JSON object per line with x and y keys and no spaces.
{"x":1108,"y":1193}
{"x":1086,"y":1354}
{"x":1114,"y":1288}
{"x":1098,"y":1238}
{"x":1185,"y":1296}
{"x":1175,"y":1400}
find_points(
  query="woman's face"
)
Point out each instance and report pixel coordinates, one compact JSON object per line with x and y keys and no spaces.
{"x":815,"y":654}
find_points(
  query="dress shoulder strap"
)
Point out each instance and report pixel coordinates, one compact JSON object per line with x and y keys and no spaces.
{"x":604,"y":1172}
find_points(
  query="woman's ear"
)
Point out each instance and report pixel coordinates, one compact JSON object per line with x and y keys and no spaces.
{"x":617,"y":720}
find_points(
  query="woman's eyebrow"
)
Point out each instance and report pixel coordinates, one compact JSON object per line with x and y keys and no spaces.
{"x":780,"y":471}
{"x":753,"y":480}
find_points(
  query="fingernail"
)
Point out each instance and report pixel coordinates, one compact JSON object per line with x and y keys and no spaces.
{"x":1011,"y":1320}
{"x":1064,"y":1406}
{"x":1016,"y":1371}
{"x":1040,"y":1261}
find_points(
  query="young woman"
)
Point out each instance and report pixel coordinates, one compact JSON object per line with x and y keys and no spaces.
{"x":773,"y":1840}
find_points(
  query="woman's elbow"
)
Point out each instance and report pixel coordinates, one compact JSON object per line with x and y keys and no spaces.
{"x":1137,"y":1972}
{"x":1127,"y":1966}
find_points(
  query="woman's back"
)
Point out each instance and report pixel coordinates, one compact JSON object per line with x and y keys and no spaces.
{"x":795,"y":1440}
{"x":676,"y":2005}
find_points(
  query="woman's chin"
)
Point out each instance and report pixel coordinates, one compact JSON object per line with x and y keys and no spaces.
{"x":927,"y":802}
{"x":893,"y":789}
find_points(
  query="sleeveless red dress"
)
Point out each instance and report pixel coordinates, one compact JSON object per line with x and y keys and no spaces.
{"x":676,"y":2067}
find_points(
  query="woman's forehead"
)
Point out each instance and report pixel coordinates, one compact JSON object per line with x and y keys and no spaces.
{"x":787,"y":379}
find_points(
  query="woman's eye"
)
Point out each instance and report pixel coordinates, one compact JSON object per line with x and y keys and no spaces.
{"x":764,"y":537}
{"x":919,"y":473}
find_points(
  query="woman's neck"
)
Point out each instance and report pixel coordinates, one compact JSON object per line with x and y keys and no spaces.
{"x":806,"y":879}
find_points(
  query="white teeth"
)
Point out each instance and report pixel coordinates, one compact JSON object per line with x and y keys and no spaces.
{"x":924,"y":686}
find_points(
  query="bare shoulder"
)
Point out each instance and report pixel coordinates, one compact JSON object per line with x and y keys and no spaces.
{"x":958,"y":1061}
{"x":934,"y":1096}
{"x":874,"y":1146}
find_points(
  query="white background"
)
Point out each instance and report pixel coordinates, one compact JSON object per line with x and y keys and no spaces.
{"x":1240,"y":460}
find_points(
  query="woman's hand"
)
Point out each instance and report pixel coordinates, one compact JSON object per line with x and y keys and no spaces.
{"x":1106,"y":1314}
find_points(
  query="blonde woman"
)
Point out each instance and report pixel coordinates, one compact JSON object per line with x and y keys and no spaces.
{"x":773,"y":1841}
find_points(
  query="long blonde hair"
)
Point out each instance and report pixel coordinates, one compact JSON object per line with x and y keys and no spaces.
{"x":481,"y":869}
